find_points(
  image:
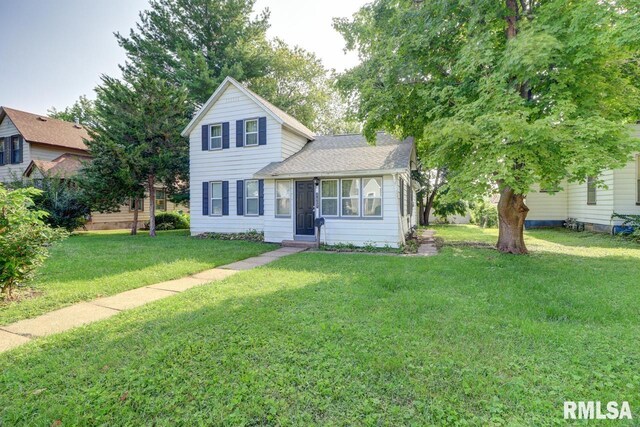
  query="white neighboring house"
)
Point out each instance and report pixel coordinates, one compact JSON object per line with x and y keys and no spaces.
{"x":252,"y":166}
{"x":589,"y":203}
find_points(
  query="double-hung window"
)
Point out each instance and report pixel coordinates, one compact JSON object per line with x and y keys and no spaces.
{"x":372,"y":196}
{"x":15,"y":149}
{"x":283,"y":198}
{"x":350,"y":197}
{"x":216,"y":198}
{"x":161,"y":200}
{"x":140,"y":204}
{"x":215,"y":137}
{"x":329,"y":197}
{"x":591,"y":190}
{"x":2,"y":151}
{"x":252,"y":197}
{"x":251,"y":132}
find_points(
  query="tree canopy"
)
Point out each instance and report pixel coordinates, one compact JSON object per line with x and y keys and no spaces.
{"x":506,"y":94}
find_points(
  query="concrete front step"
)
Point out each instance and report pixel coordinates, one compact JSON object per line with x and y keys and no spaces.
{"x":299,"y":244}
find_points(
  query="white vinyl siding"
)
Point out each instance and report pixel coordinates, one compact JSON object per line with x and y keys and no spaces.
{"x":231,"y":164}
{"x":283,"y":198}
{"x":10,"y":172}
{"x":544,"y":206}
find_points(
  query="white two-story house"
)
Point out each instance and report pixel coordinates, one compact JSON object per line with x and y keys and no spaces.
{"x":254,"y":167}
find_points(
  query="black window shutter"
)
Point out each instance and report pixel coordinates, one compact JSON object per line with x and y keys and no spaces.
{"x":20,"y":147}
{"x":261,"y":197}
{"x":225,"y":135}
{"x":205,"y":198}
{"x":240,"y":197}
{"x":262,"y":131}
{"x":225,"y":197}
{"x":239,"y":133}
{"x":205,"y":137}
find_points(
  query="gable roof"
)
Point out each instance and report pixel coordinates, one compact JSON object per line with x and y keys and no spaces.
{"x":342,"y":155}
{"x":63,"y":166}
{"x":280,"y":116}
{"x":45,"y":130}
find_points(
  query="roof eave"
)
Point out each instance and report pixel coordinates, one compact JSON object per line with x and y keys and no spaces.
{"x":364,"y":172}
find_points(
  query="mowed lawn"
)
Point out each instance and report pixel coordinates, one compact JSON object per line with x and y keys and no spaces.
{"x":89,"y":265}
{"x":467,"y":337}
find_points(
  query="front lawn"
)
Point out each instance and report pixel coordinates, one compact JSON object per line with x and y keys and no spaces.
{"x":466,"y":337}
{"x":89,"y":265}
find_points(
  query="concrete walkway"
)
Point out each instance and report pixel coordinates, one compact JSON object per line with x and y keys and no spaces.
{"x":82,"y":313}
{"x":427,"y":243}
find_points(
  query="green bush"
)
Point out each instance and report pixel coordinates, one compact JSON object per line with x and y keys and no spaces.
{"x":484,"y":214}
{"x":632,"y":221}
{"x":170,"y":221}
{"x":250,"y":236}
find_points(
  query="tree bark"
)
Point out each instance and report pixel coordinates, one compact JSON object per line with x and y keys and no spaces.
{"x":429,"y":206}
{"x":152,"y":206}
{"x":512,"y":211}
{"x":136,"y":209}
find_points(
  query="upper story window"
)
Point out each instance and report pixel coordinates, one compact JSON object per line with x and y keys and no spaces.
{"x":251,"y":132}
{"x":252,"y":198}
{"x":215,"y":137}
{"x":591,"y":190}
{"x":161,"y":200}
{"x":15,"y":149}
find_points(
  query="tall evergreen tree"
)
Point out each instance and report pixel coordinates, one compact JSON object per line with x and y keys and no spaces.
{"x":506,"y":94}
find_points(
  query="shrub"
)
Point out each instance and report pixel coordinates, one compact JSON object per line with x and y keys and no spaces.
{"x":251,"y":236}
{"x":170,"y":221}
{"x":632,"y":221}
{"x":24,"y":237}
{"x":484,"y":214}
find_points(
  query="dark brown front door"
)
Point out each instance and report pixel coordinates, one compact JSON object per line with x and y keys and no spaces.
{"x":304,"y":207}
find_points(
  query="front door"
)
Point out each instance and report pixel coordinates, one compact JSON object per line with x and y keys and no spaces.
{"x":304,"y":207}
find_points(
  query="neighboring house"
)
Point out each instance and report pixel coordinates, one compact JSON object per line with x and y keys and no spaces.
{"x":252,"y":166}
{"x":35,"y":146}
{"x":587,"y":202}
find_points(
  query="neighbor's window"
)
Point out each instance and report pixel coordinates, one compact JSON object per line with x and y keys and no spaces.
{"x":372,"y":196}
{"x":329,"y":197}
{"x":215,"y":137}
{"x":251,"y":132}
{"x":132,"y":204}
{"x":251,"y":197}
{"x":350,"y":197}
{"x":216,"y":198}
{"x":283,"y":198}
{"x":1,"y":151}
{"x":591,"y":190}
{"x":15,"y":149}
{"x":161,"y":200}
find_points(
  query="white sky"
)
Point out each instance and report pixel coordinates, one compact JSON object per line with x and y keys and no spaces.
{"x":55,"y":50}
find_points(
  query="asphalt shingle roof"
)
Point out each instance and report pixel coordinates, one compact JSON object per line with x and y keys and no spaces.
{"x":341,"y":154}
{"x":45,"y":130}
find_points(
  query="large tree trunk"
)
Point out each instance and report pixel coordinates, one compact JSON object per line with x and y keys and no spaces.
{"x":512,"y":212}
{"x":151,"y":184}
{"x":427,"y":209}
{"x":136,"y":209}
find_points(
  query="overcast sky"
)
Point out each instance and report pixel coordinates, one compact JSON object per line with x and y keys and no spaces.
{"x":55,"y":50}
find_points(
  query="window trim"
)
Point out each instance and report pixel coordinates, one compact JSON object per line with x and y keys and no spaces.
{"x":336,"y":198}
{"x":164,"y":198}
{"x":637,"y":179}
{"x":15,"y":150}
{"x":359,"y":198}
{"x":256,"y":133}
{"x":246,"y":197}
{"x":211,"y":148}
{"x":141,"y":204}
{"x":364,"y":215}
{"x":211,"y":198}
{"x":276,"y":198}
{"x":592,"y":187}
{"x":2,"y":162}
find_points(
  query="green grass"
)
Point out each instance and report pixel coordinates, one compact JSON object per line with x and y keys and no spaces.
{"x":94,"y":264}
{"x":467,"y":337}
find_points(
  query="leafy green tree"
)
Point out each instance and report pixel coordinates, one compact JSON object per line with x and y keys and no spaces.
{"x":505,"y":93}
{"x":197,"y":43}
{"x":83,"y":110}
{"x":136,"y":142}
{"x":24,"y":237}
